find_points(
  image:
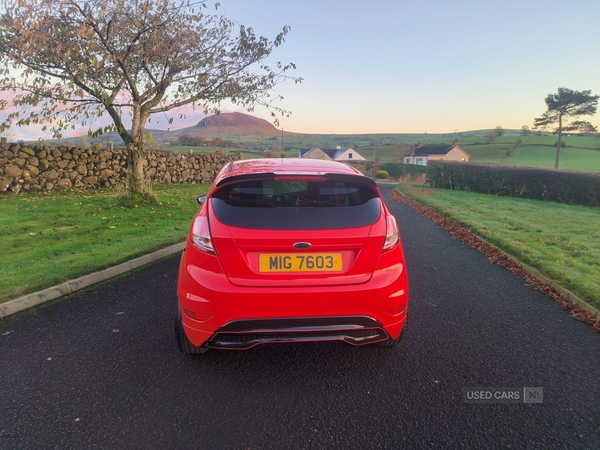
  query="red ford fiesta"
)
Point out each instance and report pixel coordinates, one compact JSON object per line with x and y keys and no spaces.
{"x":291,"y":250}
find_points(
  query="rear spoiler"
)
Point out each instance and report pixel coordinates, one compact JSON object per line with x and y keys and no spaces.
{"x":270,"y":175}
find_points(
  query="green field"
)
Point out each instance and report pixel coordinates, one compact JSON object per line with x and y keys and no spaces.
{"x":478,"y":140}
{"x":196,"y":149}
{"x":570,"y":141}
{"x":581,"y":152}
{"x":562,"y":241}
{"x":383,"y":153}
{"x":535,"y":155}
{"x":246,"y":153}
{"x":570,"y":158}
{"x":535,"y":151}
{"x":488,"y":153}
{"x":262,"y":142}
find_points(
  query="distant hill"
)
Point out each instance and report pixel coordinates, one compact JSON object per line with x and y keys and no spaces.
{"x":237,"y":120}
{"x":227,"y":124}
{"x":246,"y":131}
{"x":238,"y":126}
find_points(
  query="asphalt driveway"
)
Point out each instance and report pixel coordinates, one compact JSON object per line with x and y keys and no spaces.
{"x":100,"y":369}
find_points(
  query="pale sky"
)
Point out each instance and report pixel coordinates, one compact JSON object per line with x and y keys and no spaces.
{"x":427,"y":65}
{"x":433,"y":66}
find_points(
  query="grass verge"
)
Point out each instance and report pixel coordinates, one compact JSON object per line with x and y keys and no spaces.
{"x":49,"y":238}
{"x":561,"y":241}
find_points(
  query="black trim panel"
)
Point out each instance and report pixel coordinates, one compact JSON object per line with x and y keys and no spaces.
{"x":301,"y":324}
{"x":245,"y":334}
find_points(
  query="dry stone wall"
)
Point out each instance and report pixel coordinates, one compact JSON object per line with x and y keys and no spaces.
{"x":46,"y":168}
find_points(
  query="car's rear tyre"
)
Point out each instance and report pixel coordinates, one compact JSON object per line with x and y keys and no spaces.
{"x":394,"y":342}
{"x":183,"y":343}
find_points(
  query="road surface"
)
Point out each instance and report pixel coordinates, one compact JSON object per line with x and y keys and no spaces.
{"x":100,"y":369}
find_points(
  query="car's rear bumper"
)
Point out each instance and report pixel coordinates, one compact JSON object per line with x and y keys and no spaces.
{"x":219,"y":314}
{"x":245,"y":334}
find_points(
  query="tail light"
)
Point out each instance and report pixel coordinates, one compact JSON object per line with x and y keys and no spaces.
{"x":201,"y":235}
{"x":391,"y":234}
{"x":197,"y":315}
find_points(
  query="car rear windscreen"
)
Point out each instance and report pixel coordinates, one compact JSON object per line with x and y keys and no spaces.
{"x":297,"y":204}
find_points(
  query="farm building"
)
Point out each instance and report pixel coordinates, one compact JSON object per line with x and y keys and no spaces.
{"x":420,"y":154}
{"x":334,"y":154}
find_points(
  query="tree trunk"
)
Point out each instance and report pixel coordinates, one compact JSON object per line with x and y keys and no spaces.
{"x":559,"y":142}
{"x":138,"y":181}
{"x":139,"y":184}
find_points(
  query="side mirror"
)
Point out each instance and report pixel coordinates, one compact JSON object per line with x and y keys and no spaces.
{"x":201,"y":199}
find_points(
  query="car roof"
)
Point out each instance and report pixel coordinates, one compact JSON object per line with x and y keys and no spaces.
{"x":284,"y":166}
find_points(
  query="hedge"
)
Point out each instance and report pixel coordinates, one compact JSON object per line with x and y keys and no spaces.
{"x":397,"y":170}
{"x":582,"y":188}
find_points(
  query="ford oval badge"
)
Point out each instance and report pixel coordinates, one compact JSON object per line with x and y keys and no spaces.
{"x":302,"y":245}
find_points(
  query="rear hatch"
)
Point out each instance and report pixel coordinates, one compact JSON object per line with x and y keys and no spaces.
{"x":297,"y":230}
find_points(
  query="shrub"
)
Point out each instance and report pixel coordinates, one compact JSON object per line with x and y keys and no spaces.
{"x":397,"y":170}
{"x":393,"y":169}
{"x":582,"y":188}
{"x":383,"y":174}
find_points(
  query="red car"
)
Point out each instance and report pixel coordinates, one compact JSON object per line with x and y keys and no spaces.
{"x":291,"y":250}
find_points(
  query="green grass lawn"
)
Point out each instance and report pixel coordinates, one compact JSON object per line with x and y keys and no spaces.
{"x":562,"y":241}
{"x":50,"y":238}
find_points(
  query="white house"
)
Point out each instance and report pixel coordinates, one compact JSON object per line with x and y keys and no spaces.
{"x":422,"y":153}
{"x":335,"y":154}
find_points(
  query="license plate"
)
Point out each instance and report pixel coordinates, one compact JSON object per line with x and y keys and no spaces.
{"x":301,"y":262}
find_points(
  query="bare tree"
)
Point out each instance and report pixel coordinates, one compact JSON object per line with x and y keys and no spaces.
{"x":525,"y":131}
{"x":70,"y":62}
{"x":9,"y":134}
